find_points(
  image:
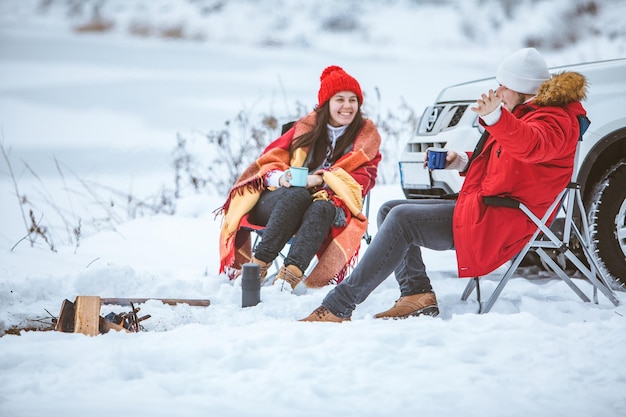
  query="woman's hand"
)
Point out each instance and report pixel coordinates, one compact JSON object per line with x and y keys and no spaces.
{"x":283,"y":181}
{"x":315,"y":180}
{"x":312,"y":181}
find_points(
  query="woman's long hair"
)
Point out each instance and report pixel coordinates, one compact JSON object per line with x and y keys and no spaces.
{"x":317,"y":139}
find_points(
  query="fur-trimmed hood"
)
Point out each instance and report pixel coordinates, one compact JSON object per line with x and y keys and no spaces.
{"x":562,"y":89}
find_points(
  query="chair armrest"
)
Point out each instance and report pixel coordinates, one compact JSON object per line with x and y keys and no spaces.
{"x":501,"y":201}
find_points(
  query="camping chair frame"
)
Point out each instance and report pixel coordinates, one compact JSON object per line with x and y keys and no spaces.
{"x":570,"y":201}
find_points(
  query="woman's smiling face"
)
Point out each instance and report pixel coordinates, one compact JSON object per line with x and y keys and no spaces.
{"x":343,"y":107}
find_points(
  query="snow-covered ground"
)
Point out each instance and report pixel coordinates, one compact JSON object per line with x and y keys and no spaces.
{"x":107,"y":108}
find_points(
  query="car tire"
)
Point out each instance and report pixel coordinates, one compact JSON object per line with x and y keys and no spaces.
{"x":607,"y":221}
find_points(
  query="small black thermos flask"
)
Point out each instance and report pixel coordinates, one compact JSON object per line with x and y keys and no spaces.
{"x":250,"y":285}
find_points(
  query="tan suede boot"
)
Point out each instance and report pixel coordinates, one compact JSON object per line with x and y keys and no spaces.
{"x":263,"y":266}
{"x":412,"y":305}
{"x":322,"y":314}
{"x":290,"y":274}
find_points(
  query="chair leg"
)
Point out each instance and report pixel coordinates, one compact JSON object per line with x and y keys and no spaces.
{"x":608,"y":293}
{"x":557,"y":270}
{"x":595,"y":271}
{"x":473,"y":283}
{"x":469,"y":288}
{"x":504,"y":280}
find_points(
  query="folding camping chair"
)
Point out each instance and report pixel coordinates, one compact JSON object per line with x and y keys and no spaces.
{"x":569,"y":201}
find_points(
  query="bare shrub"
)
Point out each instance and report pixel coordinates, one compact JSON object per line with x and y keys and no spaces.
{"x":340,"y":23}
{"x":395,"y":127}
{"x":174,"y":31}
{"x":203,"y":162}
{"x":211,"y":7}
{"x":140,"y":29}
{"x":576,"y":22}
{"x":89,"y":207}
{"x":20,"y":199}
{"x":95,"y":25}
{"x":217,"y":158}
{"x":213,"y":161}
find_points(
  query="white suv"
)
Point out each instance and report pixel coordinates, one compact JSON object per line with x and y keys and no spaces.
{"x":450,"y":123}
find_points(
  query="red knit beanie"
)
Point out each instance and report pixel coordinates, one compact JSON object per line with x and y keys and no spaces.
{"x":333,"y":80}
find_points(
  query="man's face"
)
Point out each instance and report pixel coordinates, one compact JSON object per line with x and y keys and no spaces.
{"x":510,"y":98}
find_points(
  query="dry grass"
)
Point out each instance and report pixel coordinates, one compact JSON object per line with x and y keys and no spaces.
{"x":97,"y":25}
{"x":143,"y":29}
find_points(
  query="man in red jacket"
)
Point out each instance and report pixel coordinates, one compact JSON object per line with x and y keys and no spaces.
{"x":527,"y":153}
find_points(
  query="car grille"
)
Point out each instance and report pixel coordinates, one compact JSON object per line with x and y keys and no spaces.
{"x":422,"y":146}
{"x":439,"y":118}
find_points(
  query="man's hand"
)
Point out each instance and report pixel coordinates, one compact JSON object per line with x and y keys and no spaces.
{"x":450,"y":157}
{"x":487,"y":103}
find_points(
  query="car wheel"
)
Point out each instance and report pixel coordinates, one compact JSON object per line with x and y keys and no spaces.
{"x":607,"y":221}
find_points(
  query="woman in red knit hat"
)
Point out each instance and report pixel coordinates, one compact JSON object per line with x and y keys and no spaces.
{"x":340,"y":149}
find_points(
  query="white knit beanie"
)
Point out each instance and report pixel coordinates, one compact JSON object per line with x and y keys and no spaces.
{"x":523,"y":71}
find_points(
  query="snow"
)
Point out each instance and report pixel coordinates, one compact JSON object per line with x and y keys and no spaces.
{"x":107,"y":108}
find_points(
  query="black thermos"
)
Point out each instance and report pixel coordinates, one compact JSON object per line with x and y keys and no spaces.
{"x":250,"y":285}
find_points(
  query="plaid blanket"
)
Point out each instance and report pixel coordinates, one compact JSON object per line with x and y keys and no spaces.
{"x":352,"y":176}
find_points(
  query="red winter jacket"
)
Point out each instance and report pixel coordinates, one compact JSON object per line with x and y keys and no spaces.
{"x":528,"y":156}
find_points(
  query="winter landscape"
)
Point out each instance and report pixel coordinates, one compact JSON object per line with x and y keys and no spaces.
{"x":91,"y":124}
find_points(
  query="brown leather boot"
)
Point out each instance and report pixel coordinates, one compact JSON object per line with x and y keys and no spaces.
{"x":263,"y":266}
{"x":290,"y":274}
{"x":412,"y":305}
{"x":322,"y":314}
